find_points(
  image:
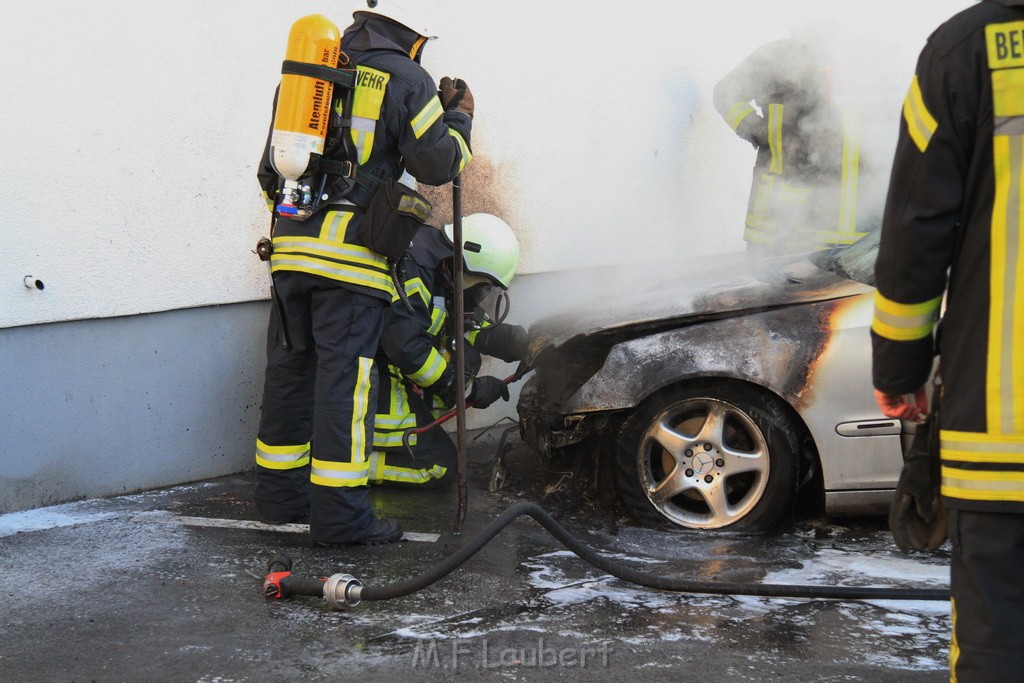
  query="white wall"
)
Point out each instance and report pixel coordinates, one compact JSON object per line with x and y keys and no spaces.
{"x":131,"y":132}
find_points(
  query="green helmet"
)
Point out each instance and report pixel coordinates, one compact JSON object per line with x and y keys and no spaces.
{"x":489,"y":248}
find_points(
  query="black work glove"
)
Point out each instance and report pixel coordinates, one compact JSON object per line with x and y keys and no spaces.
{"x":486,"y":390}
{"x":455,"y":94}
{"x":917,"y":518}
{"x":510,"y":343}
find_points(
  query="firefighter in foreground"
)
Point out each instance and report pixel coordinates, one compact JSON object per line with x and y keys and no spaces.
{"x":313,"y":444}
{"x":803,"y":195}
{"x":415,"y":365}
{"x":955,"y":207}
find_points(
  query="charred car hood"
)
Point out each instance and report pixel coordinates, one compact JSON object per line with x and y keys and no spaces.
{"x":720,"y":293}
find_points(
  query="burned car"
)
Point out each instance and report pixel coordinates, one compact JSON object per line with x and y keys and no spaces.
{"x":721,"y":400}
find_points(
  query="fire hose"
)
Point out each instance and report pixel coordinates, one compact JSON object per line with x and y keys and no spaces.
{"x":342,"y":591}
{"x":520,"y":372}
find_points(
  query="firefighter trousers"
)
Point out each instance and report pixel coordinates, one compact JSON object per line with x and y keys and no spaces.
{"x":987,"y":643}
{"x":434,"y":454}
{"x":316,"y":421}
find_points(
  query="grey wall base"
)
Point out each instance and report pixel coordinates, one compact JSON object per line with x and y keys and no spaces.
{"x":100,"y":407}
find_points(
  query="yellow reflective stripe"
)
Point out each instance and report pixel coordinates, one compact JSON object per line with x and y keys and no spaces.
{"x":775,"y":136}
{"x":992,"y":449}
{"x":954,"y":644}
{"x":980,"y":440}
{"x":737,"y":113}
{"x":399,"y":399}
{"x":282,"y":457}
{"x":362,"y":132}
{"x":425,"y":119}
{"x":982,"y":484}
{"x":334,"y":226}
{"x":376,"y":463}
{"x":415,"y":286}
{"x":331,"y":270}
{"x":1004,"y":374}
{"x":338,"y":474}
{"x":343,"y":251}
{"x":1007,"y":95}
{"x":920,"y":123}
{"x":904,"y":322}
{"x":758,"y":213}
{"x":367,"y":102}
{"x":431,"y":370}
{"x":389,"y":427}
{"x":794,"y":195}
{"x":472,"y":335}
{"x":381,"y":471}
{"x":851,"y":169}
{"x":465,"y":155}
{"x":394,"y":421}
{"x":753,"y":234}
{"x":393,"y":439}
{"x":437,"y":318}
{"x":411,"y":476}
{"x":360,"y":409}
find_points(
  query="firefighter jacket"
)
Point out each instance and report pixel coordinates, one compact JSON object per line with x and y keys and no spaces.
{"x":953,"y":228}
{"x":803,"y":195}
{"x":398,"y":125}
{"x":416,"y":347}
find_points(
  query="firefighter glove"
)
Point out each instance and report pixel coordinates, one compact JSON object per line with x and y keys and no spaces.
{"x":510,"y":343}
{"x":917,"y":518}
{"x":455,"y":94}
{"x":486,"y":390}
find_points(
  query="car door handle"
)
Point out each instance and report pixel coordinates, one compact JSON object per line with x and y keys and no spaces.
{"x":870,"y":428}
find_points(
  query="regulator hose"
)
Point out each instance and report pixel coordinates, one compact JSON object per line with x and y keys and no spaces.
{"x":355,"y":592}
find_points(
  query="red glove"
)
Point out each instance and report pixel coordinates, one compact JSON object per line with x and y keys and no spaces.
{"x":903,"y":406}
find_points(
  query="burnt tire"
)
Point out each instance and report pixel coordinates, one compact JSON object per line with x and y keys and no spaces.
{"x":715,"y":455}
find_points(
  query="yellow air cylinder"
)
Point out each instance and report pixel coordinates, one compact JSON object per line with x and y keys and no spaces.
{"x":304,"y":103}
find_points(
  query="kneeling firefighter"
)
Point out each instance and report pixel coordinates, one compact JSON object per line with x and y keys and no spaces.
{"x":415,"y":363}
{"x":332,"y":279}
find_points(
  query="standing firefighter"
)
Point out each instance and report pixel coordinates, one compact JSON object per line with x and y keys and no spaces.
{"x":314,"y":439}
{"x":415,"y":363}
{"x":955,"y":207}
{"x":803,"y":195}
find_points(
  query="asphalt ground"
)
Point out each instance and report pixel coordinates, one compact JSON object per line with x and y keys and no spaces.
{"x":166,"y":585}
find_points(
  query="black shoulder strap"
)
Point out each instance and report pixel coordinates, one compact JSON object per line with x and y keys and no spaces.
{"x":346,"y":78}
{"x":342,"y":172}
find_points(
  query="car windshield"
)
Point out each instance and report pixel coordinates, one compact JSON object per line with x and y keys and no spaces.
{"x":856,"y":261}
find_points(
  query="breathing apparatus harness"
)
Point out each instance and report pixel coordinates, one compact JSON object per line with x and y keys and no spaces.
{"x":334,"y":179}
{"x":339,"y":173}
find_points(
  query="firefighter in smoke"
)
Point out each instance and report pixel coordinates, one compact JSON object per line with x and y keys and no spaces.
{"x":416,"y":361}
{"x":803,"y":196}
{"x":952,"y":230}
{"x":314,"y":438}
